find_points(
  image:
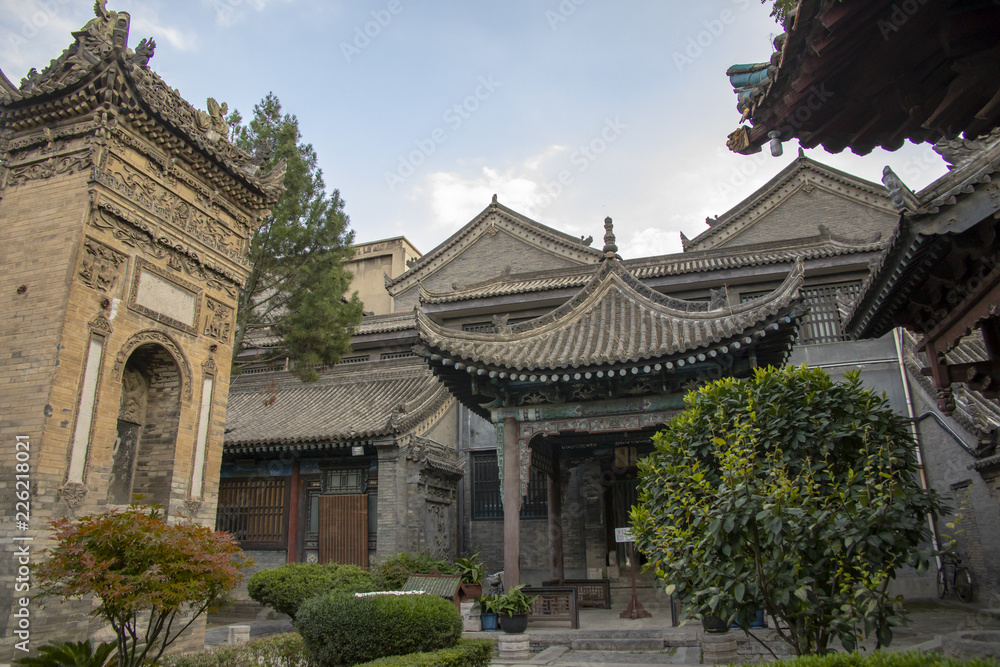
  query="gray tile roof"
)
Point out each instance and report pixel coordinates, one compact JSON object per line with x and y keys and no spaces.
{"x":614,"y":319}
{"x":816,"y":247}
{"x":347,"y":405}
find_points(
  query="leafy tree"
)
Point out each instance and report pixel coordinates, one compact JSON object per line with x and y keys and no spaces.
{"x":151,"y":579}
{"x":781,"y":8}
{"x":296,"y":286}
{"x":790,"y":493}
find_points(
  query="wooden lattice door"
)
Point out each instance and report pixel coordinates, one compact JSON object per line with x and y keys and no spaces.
{"x":343,"y":529}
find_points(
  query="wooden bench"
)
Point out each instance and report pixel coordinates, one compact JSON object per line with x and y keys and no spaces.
{"x":554,"y":604}
{"x":589,"y":592}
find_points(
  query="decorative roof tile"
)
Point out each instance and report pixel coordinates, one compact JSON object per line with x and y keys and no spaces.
{"x":614,"y":319}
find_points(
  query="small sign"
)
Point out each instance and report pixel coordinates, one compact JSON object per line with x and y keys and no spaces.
{"x":623,"y":535}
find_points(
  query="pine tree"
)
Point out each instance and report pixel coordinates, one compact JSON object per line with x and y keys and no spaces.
{"x":294,"y":301}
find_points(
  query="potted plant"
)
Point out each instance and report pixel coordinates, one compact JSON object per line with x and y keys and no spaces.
{"x":512,"y":609}
{"x":472,"y":572}
{"x":488,"y":614}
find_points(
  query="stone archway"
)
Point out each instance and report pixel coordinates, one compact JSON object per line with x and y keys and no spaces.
{"x":148,"y":419}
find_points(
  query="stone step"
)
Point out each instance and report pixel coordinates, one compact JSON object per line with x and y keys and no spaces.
{"x":617,"y":645}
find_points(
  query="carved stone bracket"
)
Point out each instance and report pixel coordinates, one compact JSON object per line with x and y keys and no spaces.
{"x":73,"y":494}
{"x":101,"y":326}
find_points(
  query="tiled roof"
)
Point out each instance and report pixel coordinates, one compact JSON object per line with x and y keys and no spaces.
{"x":665,"y":265}
{"x":573,"y":248}
{"x":866,"y":74}
{"x":346,"y":405}
{"x":385,"y":323}
{"x":926,"y":232}
{"x":614,"y":319}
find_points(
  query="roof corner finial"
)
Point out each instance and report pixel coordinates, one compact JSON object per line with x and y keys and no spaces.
{"x":610,"y":248}
{"x":494,"y":199}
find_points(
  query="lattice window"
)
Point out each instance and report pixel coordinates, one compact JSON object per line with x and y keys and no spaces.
{"x":823,"y":322}
{"x":486,"y":502}
{"x":397,"y":355}
{"x":253,"y":510}
{"x":354,"y":360}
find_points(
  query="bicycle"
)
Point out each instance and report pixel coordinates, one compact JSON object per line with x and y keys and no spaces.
{"x":959,"y":581}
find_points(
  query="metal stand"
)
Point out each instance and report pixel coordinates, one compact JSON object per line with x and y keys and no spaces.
{"x":634,"y":609}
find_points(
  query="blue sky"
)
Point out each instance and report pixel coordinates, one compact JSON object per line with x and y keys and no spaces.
{"x":570,"y":110}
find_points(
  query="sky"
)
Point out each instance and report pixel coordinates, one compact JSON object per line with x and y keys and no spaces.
{"x":568,"y":110}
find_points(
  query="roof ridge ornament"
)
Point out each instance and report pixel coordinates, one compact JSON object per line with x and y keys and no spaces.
{"x":610,"y":247}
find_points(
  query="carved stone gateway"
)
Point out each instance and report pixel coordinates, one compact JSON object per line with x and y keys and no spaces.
{"x":116,"y":363}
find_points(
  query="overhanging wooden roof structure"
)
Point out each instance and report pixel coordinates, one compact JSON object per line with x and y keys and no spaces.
{"x":616,"y":337}
{"x":940,"y":275}
{"x":864,"y":73}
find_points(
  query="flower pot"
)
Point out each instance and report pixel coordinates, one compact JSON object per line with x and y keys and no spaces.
{"x":513,"y":625}
{"x":714,"y":625}
{"x":489,"y":621}
{"x":470,"y":591}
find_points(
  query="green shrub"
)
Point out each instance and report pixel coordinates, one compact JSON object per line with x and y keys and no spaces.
{"x":72,"y":654}
{"x":392,"y":573}
{"x":467,"y":653}
{"x":341,"y":629}
{"x":883,"y":659}
{"x":285,"y":650}
{"x":285,"y":588}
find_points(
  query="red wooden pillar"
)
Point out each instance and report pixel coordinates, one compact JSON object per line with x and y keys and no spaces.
{"x":511,"y":505}
{"x":293,"y":515}
{"x":556,"y":571}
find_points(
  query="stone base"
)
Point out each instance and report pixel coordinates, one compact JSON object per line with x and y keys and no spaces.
{"x":471,"y":617}
{"x":238,"y":634}
{"x":719,"y":649}
{"x":513,"y":647}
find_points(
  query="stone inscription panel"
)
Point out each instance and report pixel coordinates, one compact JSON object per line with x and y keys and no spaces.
{"x":165,"y":300}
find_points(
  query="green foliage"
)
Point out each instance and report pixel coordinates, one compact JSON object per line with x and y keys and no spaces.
{"x":297,"y":284}
{"x":341,"y":629}
{"x":786,"y":492}
{"x":884,"y":659}
{"x":781,"y":8}
{"x":71,"y":654}
{"x":285,"y":588}
{"x":467,"y":653}
{"x":392,"y":573}
{"x":151,"y":579}
{"x":512,"y":602}
{"x":285,"y":650}
{"x":471,"y":569}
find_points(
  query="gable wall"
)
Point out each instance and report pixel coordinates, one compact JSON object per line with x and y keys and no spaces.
{"x":803,"y":212}
{"x":486,"y":258}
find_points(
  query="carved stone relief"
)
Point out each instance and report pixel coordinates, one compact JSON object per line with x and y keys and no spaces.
{"x":135,"y":390}
{"x":218,"y":320}
{"x":159,"y":338}
{"x":53,"y":166}
{"x":101,"y":266}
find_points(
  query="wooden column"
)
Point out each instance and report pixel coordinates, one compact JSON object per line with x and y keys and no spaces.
{"x":511,"y":506}
{"x":555,"y":523}
{"x":293,"y":515}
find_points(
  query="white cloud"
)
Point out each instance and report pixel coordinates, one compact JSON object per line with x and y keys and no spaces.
{"x":454,"y":200}
{"x":230,"y":12}
{"x":648,"y":242}
{"x":33,"y":33}
{"x":148,"y":24}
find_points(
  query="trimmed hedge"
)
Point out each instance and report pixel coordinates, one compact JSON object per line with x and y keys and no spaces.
{"x":392,"y":573}
{"x":285,"y":588}
{"x":341,"y":629}
{"x":285,"y":650}
{"x":883,"y":659}
{"x":467,"y":653}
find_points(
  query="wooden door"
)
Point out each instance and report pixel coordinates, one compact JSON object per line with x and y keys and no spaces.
{"x":343,"y":529}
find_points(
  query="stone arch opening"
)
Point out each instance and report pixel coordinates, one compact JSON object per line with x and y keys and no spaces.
{"x":148,"y":419}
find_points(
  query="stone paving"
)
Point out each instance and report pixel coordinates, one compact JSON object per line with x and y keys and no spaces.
{"x":605,"y":639}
